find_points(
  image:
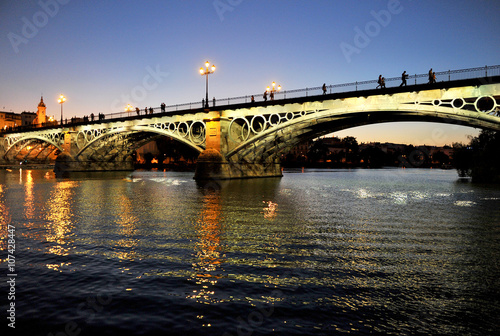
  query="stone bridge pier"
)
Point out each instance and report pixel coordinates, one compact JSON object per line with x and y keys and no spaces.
{"x":214,"y":163}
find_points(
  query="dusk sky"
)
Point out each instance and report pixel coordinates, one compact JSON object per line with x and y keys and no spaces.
{"x":103,"y":55}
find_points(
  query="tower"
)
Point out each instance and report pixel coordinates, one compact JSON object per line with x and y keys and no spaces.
{"x":41,"y":117}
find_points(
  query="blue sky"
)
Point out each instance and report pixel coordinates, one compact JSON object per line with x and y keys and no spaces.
{"x":103,"y":55}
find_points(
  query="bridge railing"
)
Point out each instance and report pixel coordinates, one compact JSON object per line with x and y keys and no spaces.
{"x":413,"y":79}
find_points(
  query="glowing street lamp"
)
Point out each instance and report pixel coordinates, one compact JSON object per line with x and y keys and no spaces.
{"x":205,"y":72}
{"x":128,"y":108}
{"x":273,"y":90}
{"x":61,"y":100}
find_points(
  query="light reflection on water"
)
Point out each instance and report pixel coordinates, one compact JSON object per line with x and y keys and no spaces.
{"x":29,"y":200}
{"x":5,"y":220}
{"x":360,"y":251}
{"x":59,"y":227}
{"x":209,"y":257}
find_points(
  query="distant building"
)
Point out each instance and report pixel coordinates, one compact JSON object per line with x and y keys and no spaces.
{"x":9,"y":120}
{"x":334,"y":145}
{"x":27,"y":118}
{"x":41,"y":113}
{"x":301,"y":149}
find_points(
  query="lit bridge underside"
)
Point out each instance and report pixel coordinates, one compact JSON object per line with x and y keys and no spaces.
{"x":247,"y":140}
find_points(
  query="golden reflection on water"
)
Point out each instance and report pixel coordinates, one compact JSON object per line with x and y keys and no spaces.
{"x":270,"y":211}
{"x":208,"y":256}
{"x":29,"y":200}
{"x":128,"y":228}
{"x":59,"y":218}
{"x":4,"y":220}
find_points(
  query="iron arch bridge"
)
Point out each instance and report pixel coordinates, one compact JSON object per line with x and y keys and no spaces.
{"x":100,"y":146}
{"x":261,"y":133}
{"x":247,"y":139}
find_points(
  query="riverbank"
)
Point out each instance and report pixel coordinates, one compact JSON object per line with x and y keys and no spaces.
{"x":28,"y":166}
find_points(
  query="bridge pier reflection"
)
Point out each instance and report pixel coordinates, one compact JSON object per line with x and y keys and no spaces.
{"x":212,"y":166}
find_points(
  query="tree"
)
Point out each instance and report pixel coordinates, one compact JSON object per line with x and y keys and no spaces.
{"x":480,"y":159}
{"x":351,"y":144}
{"x":373,"y":157}
{"x":351,"y":150}
{"x":440,"y":158}
{"x":486,"y":157}
{"x":317,"y":151}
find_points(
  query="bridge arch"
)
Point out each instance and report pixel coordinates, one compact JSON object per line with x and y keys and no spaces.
{"x":137,"y":129}
{"x":21,"y":142}
{"x":275,"y":135}
{"x":127,"y":139}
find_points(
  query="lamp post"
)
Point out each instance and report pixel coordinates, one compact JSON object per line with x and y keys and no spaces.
{"x":273,"y":90}
{"x":205,"y":72}
{"x":61,"y":100}
{"x":128,"y":108}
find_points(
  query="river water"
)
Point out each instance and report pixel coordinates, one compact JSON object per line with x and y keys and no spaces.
{"x":316,"y":252}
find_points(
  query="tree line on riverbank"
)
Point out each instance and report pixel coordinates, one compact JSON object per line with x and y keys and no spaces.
{"x":347,"y":153}
{"x":480,"y":159}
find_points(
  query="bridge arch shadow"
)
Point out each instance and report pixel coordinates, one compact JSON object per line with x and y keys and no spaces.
{"x":119,"y":144}
{"x":134,"y":136}
{"x":33,"y":147}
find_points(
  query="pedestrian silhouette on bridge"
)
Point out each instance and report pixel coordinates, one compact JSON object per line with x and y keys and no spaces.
{"x":92,"y":116}
{"x":146,"y":110}
{"x":379,"y":82}
{"x":252,"y":99}
{"x":163,"y":107}
{"x":150,"y":110}
{"x":404,"y":76}
{"x":137,"y":111}
{"x":271,"y":95}
{"x":433,"y":78}
{"x":430,"y":77}
{"x":324,"y":88}
{"x":265,"y":96}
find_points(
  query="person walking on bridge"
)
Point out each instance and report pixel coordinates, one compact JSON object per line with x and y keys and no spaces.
{"x":324,"y":88}
{"x":379,"y":82}
{"x":404,"y":76}
{"x":265,"y":96}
